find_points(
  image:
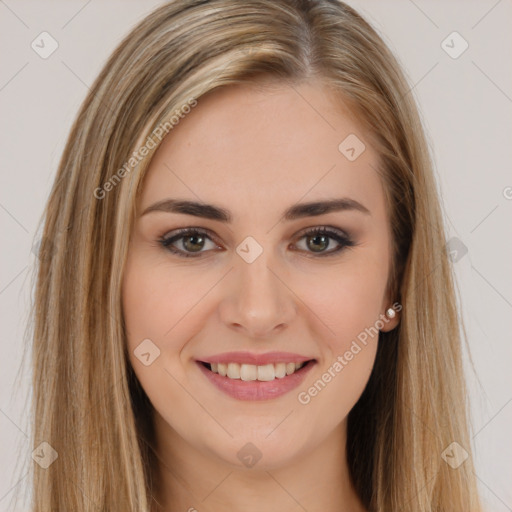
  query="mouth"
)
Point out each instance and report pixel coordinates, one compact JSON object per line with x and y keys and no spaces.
{"x":252,"y":372}
{"x":246,"y":381}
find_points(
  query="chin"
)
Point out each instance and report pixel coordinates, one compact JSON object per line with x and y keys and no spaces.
{"x":260,"y":451}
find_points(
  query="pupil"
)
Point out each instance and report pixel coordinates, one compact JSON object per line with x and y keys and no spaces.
{"x":197,"y":244}
{"x":322,"y":237}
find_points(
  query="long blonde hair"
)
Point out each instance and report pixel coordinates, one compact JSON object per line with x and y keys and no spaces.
{"x":87,"y":403}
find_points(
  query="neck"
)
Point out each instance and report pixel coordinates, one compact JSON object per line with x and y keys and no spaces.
{"x":191,"y":480}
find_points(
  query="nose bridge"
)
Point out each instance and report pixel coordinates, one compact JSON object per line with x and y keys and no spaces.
{"x":259,"y":301}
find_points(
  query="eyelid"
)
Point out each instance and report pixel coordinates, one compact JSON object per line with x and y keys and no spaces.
{"x":323,"y":228}
{"x":213,"y":236}
{"x":190,"y":229}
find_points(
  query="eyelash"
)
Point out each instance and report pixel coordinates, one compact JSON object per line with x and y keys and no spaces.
{"x":339,"y":236}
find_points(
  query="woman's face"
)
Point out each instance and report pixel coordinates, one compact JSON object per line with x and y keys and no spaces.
{"x":256,"y":290}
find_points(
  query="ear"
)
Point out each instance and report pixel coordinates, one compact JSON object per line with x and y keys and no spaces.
{"x":390,"y":323}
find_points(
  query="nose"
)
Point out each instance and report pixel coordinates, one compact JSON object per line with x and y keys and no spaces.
{"x":259,"y":302}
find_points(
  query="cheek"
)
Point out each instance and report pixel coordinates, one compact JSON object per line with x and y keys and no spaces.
{"x":158,"y":303}
{"x":157,"y":307}
{"x":350,"y":305}
{"x":143,"y":304}
{"x":348,"y":300}
{"x":348,"y":355}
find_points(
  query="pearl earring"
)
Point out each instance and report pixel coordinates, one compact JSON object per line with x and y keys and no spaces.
{"x":391,"y":313}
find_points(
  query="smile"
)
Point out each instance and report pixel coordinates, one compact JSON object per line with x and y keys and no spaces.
{"x":252,"y":381}
{"x":248,"y":372}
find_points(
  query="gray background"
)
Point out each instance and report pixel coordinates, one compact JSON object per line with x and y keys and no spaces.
{"x":466,"y":104}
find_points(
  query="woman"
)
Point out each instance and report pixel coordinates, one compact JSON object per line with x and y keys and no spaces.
{"x":244,"y":301}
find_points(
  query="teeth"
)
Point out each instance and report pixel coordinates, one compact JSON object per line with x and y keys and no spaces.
{"x":233,"y":371}
{"x":280,"y":370}
{"x":248,"y":372}
{"x":222,"y":369}
{"x":266,"y":372}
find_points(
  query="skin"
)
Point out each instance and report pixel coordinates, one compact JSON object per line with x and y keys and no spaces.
{"x":256,"y":151}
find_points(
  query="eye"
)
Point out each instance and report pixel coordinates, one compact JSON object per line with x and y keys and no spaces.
{"x":318,"y":239}
{"x":192,"y":241}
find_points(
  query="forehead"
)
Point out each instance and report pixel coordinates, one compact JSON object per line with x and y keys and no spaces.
{"x":253,"y":145}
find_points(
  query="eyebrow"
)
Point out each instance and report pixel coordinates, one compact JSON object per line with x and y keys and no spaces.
{"x":297,"y":211}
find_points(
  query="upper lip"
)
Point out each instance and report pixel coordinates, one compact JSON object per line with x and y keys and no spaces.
{"x":256,"y":359}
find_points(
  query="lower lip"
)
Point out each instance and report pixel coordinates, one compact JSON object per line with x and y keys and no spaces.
{"x":255,"y":389}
